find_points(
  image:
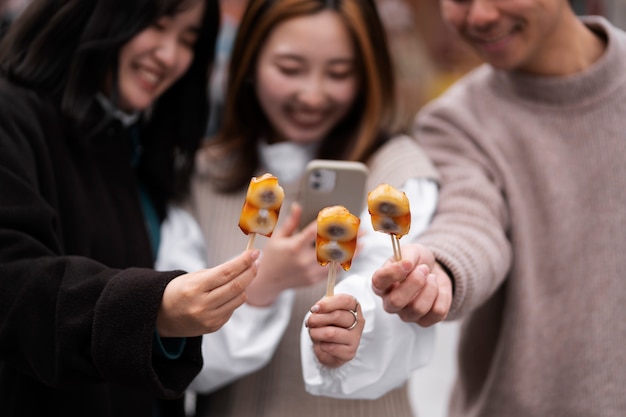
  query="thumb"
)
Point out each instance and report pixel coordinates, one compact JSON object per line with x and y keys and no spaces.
{"x":290,"y":226}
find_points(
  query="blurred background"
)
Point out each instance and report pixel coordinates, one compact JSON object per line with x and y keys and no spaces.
{"x":428,"y":58}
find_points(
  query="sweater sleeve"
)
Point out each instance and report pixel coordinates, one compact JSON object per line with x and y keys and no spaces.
{"x":468,"y":234}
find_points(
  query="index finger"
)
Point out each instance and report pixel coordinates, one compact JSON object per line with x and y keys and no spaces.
{"x":226,"y":272}
{"x":390,"y":273}
{"x":309,"y":233}
{"x":335,"y":302}
{"x":290,"y":225}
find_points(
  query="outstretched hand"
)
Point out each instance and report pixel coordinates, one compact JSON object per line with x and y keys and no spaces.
{"x":415,"y":288}
{"x":335,"y":327}
{"x":201,"y":302}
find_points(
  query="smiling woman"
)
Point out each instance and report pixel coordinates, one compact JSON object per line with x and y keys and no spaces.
{"x":100,"y":101}
{"x":306,"y":90}
{"x":308,"y":79}
{"x":157,"y":57}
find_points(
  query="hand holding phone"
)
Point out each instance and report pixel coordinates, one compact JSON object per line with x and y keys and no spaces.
{"x":330,"y":183}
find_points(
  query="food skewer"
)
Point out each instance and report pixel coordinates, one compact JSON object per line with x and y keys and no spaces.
{"x":251,"y":238}
{"x":390,"y":212}
{"x":332,"y":278}
{"x":261,"y":207}
{"x":395,"y":243}
{"x":335,"y":242}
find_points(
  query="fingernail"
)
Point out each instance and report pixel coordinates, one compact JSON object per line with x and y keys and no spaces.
{"x":423,"y":269}
{"x":432,"y":278}
{"x":315,"y":308}
{"x":407,"y":265}
{"x":255,"y":254}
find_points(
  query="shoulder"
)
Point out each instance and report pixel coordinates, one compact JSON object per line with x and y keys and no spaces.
{"x":25,"y":109}
{"x":25,"y":122}
{"x":399,"y":159}
{"x":476,"y":100}
{"x":13,"y":95}
{"x":26,"y":116}
{"x":469,"y":90}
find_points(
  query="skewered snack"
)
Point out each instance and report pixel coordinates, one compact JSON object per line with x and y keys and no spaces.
{"x":390,"y":212}
{"x":335,"y":243}
{"x":260,"y":210}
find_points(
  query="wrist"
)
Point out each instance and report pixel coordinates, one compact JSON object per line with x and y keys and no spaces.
{"x":262,"y":294}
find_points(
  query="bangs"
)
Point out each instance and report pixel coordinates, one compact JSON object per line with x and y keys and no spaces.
{"x":173,"y":7}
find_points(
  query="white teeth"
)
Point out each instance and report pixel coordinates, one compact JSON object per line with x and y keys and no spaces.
{"x":151,"y":77}
{"x":307,"y":118}
{"x":494,"y":40}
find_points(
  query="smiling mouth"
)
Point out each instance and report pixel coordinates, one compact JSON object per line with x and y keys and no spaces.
{"x":497,"y":41}
{"x":308,"y":120}
{"x":493,"y":43}
{"x":149,"y":79}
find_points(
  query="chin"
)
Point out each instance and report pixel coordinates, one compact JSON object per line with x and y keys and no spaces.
{"x":135,"y":102}
{"x":136,"y":106}
{"x":302,"y":137}
{"x":305,"y":140}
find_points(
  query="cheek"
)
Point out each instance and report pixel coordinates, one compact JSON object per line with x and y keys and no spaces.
{"x":271,"y":89}
{"x":453,"y":14}
{"x":185,"y":60}
{"x":345,"y":92}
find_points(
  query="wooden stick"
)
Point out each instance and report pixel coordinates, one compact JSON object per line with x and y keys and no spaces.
{"x":332,"y":277}
{"x":399,"y":251}
{"x":251,"y":241}
{"x":394,"y":245}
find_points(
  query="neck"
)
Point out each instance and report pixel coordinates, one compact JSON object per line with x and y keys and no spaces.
{"x":572,"y":50}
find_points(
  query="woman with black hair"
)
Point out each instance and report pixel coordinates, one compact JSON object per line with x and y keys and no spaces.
{"x":102,"y":103}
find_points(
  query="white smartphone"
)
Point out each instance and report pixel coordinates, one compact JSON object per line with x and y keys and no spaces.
{"x":329,"y":183}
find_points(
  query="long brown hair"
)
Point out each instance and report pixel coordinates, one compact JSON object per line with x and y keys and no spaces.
{"x":233,"y":152}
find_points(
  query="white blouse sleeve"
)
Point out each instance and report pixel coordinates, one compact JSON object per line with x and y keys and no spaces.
{"x":244,"y":344}
{"x":249,"y":338}
{"x":181,"y":245}
{"x":390,"y":349}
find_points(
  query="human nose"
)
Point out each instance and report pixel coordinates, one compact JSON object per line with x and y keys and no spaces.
{"x":312,"y":91}
{"x":167,"y":52}
{"x":482,"y":13}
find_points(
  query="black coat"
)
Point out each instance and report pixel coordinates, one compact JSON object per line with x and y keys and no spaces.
{"x":78,"y":300}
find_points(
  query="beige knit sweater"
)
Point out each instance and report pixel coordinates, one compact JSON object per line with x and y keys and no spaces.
{"x":532,"y":224}
{"x":277,"y":390}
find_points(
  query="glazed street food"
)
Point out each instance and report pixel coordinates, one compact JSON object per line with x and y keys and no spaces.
{"x":390,"y":212}
{"x":260,"y":210}
{"x":336,"y":239}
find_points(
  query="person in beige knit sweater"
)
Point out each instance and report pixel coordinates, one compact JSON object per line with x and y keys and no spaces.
{"x":530,"y":225}
{"x":307,"y":79}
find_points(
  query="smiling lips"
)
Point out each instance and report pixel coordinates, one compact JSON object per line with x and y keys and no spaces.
{"x":307,"y":119}
{"x":493,"y":43}
{"x":149,"y":79}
